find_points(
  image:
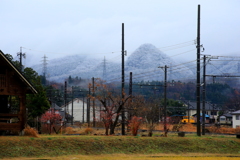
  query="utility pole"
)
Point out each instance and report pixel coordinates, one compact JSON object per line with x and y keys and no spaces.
{"x":72,"y":106}
{"x":93,"y":94}
{"x":198,"y":75}
{"x":65,"y":99}
{"x":130,"y":94}
{"x":83,"y":111}
{"x":165,"y":98}
{"x":123,"y":112}
{"x":204,"y":95}
{"x":88,"y":107}
{"x":130,"y":84}
{"x":20,"y":54}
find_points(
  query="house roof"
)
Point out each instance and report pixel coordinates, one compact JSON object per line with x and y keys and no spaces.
{"x":97,"y":102}
{"x":76,"y":99}
{"x":55,"y":106}
{"x":236,"y":112}
{"x":208,"y":106}
{"x":21,"y":76}
{"x":227,"y":115}
{"x":207,"y":116}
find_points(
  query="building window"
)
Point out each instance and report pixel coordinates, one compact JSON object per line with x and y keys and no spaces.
{"x":223,"y":119}
{"x":237,"y":117}
{"x":213,"y":112}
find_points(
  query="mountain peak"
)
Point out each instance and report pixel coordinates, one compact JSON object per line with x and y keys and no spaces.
{"x":147,"y":56}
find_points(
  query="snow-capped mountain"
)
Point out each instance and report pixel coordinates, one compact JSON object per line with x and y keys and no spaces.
{"x":146,"y":63}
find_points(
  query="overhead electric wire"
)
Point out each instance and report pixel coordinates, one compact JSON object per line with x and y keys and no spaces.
{"x":175,"y":48}
{"x":176,"y":44}
{"x":182,"y":53}
{"x":217,"y":68}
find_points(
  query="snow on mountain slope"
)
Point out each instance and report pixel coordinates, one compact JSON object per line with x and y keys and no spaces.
{"x":144,"y":63}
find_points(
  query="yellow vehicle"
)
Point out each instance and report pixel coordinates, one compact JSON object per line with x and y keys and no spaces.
{"x":188,"y":120}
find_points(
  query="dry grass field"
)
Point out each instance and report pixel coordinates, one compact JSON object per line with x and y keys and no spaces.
{"x":87,"y":143}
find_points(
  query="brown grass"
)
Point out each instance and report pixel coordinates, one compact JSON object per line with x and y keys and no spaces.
{"x":223,"y":130}
{"x":188,"y":127}
{"x":69,"y":130}
{"x":31,"y":132}
{"x":88,"y":130}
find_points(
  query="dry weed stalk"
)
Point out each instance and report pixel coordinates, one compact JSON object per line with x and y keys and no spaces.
{"x":32,"y":132}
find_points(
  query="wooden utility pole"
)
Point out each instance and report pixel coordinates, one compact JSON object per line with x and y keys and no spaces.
{"x":123,"y":109}
{"x":198,"y":75}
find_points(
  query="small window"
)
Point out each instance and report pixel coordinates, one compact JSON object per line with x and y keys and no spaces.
{"x":222,"y":119}
{"x":213,"y":112}
{"x":237,"y":117}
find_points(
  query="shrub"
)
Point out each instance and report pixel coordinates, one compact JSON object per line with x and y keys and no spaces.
{"x":237,"y":130}
{"x":68,"y":130}
{"x":88,"y":130}
{"x":28,"y":131}
{"x":135,"y":124}
{"x":188,"y":127}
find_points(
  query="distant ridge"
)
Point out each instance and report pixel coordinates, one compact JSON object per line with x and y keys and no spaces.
{"x":144,"y":63}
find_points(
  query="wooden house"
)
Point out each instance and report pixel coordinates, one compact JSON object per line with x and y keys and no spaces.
{"x":13,"y":89}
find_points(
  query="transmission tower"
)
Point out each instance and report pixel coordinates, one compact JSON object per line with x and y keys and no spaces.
{"x":44,"y":65}
{"x":104,"y":69}
{"x":238,"y":67}
{"x":44,"y":78}
{"x":20,"y":54}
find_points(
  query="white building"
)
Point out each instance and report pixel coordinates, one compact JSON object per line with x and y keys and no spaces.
{"x":80,"y":110}
{"x":236,"y":119}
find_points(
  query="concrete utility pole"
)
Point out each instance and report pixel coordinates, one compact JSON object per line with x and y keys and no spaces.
{"x":130,"y":94}
{"x":65,"y":99}
{"x":93,"y":94}
{"x":83,"y":111}
{"x":88,"y":107}
{"x":204,"y":95}
{"x":72,"y":106}
{"x":198,"y":75}
{"x":123,"y":109}
{"x":165,"y":99}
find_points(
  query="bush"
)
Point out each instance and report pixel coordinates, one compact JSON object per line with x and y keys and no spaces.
{"x":134,"y":124}
{"x":68,"y":130}
{"x":88,"y":130}
{"x":28,"y":131}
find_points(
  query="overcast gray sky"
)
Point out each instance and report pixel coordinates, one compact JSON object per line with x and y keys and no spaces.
{"x":56,"y":28}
